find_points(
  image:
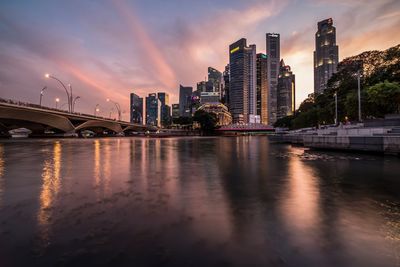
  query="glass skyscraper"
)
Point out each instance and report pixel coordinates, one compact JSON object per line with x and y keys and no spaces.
{"x":242,"y":81}
{"x":326,"y":55}
{"x":136,"y":108}
{"x":262,"y":88}
{"x":286,"y":91}
{"x":273,"y":54}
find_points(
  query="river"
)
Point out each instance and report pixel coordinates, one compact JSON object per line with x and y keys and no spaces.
{"x":195,"y":201}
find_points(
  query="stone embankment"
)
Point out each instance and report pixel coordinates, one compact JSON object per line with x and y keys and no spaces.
{"x":360,"y":137}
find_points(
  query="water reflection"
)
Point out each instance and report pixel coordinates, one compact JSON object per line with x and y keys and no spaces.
{"x":51,"y":184}
{"x":197,"y":201}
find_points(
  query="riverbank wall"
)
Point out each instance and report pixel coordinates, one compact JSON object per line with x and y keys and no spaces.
{"x":380,"y":139}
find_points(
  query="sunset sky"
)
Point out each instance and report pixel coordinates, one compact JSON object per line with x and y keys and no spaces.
{"x":108,"y":49}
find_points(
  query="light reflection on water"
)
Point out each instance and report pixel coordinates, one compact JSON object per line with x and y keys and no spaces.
{"x":195,"y":201}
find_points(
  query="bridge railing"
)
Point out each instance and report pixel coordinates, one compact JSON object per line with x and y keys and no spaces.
{"x":31,"y":105}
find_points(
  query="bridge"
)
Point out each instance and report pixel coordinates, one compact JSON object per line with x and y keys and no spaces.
{"x":41,"y":120}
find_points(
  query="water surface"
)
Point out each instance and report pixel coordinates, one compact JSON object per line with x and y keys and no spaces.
{"x":222,"y":201}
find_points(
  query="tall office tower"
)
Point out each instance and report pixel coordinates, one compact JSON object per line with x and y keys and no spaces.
{"x":165,"y":108}
{"x":136,"y":108}
{"x":175,"y":111}
{"x":326,"y":55}
{"x":185,"y":101}
{"x":201,"y":86}
{"x":215,"y":79}
{"x":242,"y":81}
{"x":153,"y":110}
{"x":262,"y":88}
{"x":273,"y":54}
{"x":286,"y":91}
{"x":225,"y":95}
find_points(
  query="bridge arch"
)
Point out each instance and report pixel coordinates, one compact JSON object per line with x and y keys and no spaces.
{"x":17,"y":115}
{"x":90,"y":124}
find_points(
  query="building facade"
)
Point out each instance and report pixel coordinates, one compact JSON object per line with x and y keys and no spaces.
{"x":165,"y":109}
{"x":215,"y":79}
{"x":153,"y":110}
{"x":224,"y":117}
{"x":225,"y":91}
{"x":273,"y":54}
{"x":136,"y":109}
{"x":286,"y":91}
{"x":175,"y":111}
{"x":326,"y":55}
{"x":262,"y":88}
{"x":242,"y":81}
{"x":185,"y":101}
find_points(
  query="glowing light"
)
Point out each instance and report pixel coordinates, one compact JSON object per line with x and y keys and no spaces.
{"x":234,"y":50}
{"x":47,"y":75}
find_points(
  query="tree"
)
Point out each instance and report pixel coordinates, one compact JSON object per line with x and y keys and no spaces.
{"x":207,"y":121}
{"x":384,"y":98}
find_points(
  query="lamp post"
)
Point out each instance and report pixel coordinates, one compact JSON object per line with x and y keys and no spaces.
{"x":117,"y":106}
{"x":63,"y":85}
{"x":57,"y":100}
{"x":336,"y":113}
{"x":73,"y":103}
{"x":96,"y":109}
{"x":359,"y":95}
{"x":41,"y":95}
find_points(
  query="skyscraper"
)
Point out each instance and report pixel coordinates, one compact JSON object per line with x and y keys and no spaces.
{"x":215,"y":78}
{"x":242,"y":81}
{"x":286,"y":91}
{"x":165,"y":108}
{"x":153,"y":110}
{"x":262,"y":88}
{"x":225,"y":93}
{"x":326,"y":54}
{"x":273,"y":54}
{"x":136,"y":108}
{"x":185,"y":101}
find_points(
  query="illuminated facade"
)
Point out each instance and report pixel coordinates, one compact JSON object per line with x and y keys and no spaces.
{"x":242,"y":80}
{"x":165,"y":108}
{"x":326,"y":55}
{"x":262,"y":88}
{"x":273,"y":54}
{"x":286,"y":91}
{"x":220,"y":110}
{"x":153,"y":110}
{"x":185,"y":101}
{"x":136,"y":108}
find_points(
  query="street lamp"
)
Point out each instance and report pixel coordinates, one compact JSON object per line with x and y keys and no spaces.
{"x":73,"y":103}
{"x":57,"y":100}
{"x":336,"y":113}
{"x":41,"y":95}
{"x":117,"y":106}
{"x":96,"y":109}
{"x":63,"y":85}
{"x":359,"y":95}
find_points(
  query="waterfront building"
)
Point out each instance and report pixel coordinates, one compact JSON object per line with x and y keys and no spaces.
{"x":225,"y":94}
{"x":201,"y":86}
{"x":209,"y":97}
{"x":262,"y":88}
{"x":185,"y":101}
{"x":224,"y":117}
{"x":165,"y":108}
{"x":286,"y":91}
{"x":153,"y":110}
{"x":214,"y":80}
{"x":326,"y":55}
{"x":242,"y":81}
{"x":273,"y":54}
{"x":175,"y":111}
{"x":136,"y":108}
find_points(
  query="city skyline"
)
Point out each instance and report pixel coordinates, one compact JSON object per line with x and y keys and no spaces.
{"x":133,"y":47}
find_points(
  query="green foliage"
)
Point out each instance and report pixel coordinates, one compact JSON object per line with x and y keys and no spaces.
{"x":207,"y":121}
{"x":384,"y":98}
{"x":285,"y":122}
{"x":380,"y":95}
